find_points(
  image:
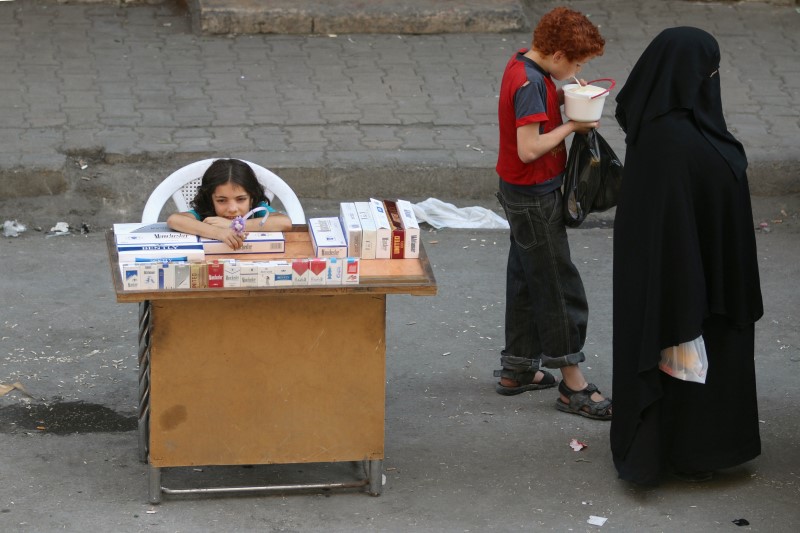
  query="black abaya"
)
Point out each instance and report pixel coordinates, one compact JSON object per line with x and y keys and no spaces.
{"x":684,"y":265}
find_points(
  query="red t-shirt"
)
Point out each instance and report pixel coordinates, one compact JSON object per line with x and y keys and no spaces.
{"x":528,"y":95}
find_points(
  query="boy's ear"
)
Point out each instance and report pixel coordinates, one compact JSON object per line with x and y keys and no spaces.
{"x":559,"y":56}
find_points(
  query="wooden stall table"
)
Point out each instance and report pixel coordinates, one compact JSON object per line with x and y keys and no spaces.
{"x":272,"y":375}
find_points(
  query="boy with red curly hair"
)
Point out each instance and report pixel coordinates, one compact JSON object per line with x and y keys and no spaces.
{"x":546,"y":308}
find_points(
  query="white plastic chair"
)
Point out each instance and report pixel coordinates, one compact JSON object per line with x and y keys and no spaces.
{"x":182,"y":186}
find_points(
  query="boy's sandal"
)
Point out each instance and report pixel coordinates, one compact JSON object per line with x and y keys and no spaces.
{"x":581,"y":403}
{"x":524,"y":381}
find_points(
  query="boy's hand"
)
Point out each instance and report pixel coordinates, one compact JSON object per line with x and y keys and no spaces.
{"x":584,"y":127}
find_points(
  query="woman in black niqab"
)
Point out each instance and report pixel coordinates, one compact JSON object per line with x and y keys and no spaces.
{"x":684,"y":266}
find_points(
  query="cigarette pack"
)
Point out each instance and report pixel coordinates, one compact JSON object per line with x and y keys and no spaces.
{"x":160,"y":253}
{"x":283,"y":273}
{"x":256,"y":242}
{"x":368,"y":231}
{"x":333,"y":271}
{"x":233,"y":274}
{"x":249,"y":274}
{"x":327,"y":237}
{"x":216,"y":274}
{"x":351,"y":271}
{"x":148,"y":276}
{"x":317,"y":268}
{"x":183,"y":275}
{"x":266,"y":274}
{"x":411,"y":227}
{"x":300,"y":272}
{"x":398,"y":242}
{"x":351,"y":225}
{"x":166,"y":276}
{"x":130,"y":276}
{"x":158,"y":232}
{"x":383,"y":229}
{"x":198,"y":276}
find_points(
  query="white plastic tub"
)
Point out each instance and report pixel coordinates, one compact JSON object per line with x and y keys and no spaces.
{"x":585,"y":103}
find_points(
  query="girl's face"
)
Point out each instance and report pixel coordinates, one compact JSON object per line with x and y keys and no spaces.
{"x":231,"y":200}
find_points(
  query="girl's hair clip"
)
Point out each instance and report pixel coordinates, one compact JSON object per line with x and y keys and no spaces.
{"x":238,"y":225}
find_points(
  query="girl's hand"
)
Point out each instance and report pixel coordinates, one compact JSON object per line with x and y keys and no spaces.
{"x":230,"y":237}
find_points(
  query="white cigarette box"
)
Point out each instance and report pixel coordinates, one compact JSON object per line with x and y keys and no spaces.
{"x":351,"y":225}
{"x":256,"y":242}
{"x":317,"y":267}
{"x":266,"y":274}
{"x":148,"y":276}
{"x":300,"y":272}
{"x":351,"y":271}
{"x":333,"y":271}
{"x":368,"y":231}
{"x":383,"y":229}
{"x":130,"y":276}
{"x":160,"y":253}
{"x":183,"y":275}
{"x":411,"y":227}
{"x":157,"y":232}
{"x":249,"y":274}
{"x":283,"y":274}
{"x":166,"y":276}
{"x":327,"y":237}
{"x":233,"y":274}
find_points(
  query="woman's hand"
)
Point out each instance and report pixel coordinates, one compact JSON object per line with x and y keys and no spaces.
{"x":218,"y":222}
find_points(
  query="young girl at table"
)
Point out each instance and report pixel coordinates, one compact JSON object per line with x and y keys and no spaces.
{"x":229,"y":202}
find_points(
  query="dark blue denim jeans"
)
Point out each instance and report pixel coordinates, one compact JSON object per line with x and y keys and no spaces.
{"x":546,"y":308}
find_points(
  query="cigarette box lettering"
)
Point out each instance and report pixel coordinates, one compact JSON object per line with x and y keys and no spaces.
{"x":249,"y":274}
{"x":383,"y":229}
{"x":327,"y":237}
{"x":130,"y":277}
{"x":233,"y":274}
{"x":368,"y":231}
{"x":317,"y":268}
{"x":152,"y":233}
{"x":283,"y":274}
{"x":198,"y":277}
{"x":300,"y":272}
{"x":351,"y":225}
{"x":411,"y":227}
{"x":256,"y":242}
{"x":148,"y":276}
{"x":398,"y":243}
{"x":160,"y":253}
{"x":216,"y":274}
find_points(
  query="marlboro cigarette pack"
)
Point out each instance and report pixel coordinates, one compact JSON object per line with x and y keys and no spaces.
{"x":351,"y":225}
{"x":383,"y":229}
{"x":158,"y":232}
{"x":327,"y":237}
{"x":411,"y":227}
{"x":256,"y":242}
{"x":368,"y":231}
{"x":398,"y":242}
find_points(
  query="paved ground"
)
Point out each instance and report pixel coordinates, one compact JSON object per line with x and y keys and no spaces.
{"x":407,"y":115}
{"x":133,"y":94}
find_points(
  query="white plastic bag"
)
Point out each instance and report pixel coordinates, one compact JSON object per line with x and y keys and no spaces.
{"x":687,"y":361}
{"x":440,"y":214}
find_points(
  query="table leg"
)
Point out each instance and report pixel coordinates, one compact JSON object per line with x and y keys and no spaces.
{"x":375,"y":473}
{"x":154,"y":487}
{"x":144,"y":379}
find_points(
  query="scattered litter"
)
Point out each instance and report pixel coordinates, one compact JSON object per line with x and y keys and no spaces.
{"x":12,"y":228}
{"x":61,"y":228}
{"x":84,"y":228}
{"x":151,"y":511}
{"x":383,"y":479}
{"x":446,"y":353}
{"x":741,"y":522}
{"x":577,"y":445}
{"x":764,"y":227}
{"x":83,"y":164}
{"x":596,"y":520}
{"x":441,"y":214}
{"x":5,"y":389}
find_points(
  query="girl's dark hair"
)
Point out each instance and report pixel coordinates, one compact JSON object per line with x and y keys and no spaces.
{"x":224,"y":171}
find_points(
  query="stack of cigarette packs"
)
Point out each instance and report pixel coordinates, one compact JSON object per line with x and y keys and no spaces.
{"x":235,"y":273}
{"x":376,"y":229}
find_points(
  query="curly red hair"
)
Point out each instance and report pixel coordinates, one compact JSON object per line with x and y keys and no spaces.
{"x":570,"y":32}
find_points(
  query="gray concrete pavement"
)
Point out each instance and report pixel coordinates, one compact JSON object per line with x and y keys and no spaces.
{"x":459,"y":457}
{"x":133,"y":93}
{"x":414,"y":115}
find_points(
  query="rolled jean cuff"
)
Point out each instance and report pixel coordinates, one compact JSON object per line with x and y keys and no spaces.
{"x":519,"y":364}
{"x":564,"y":360}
